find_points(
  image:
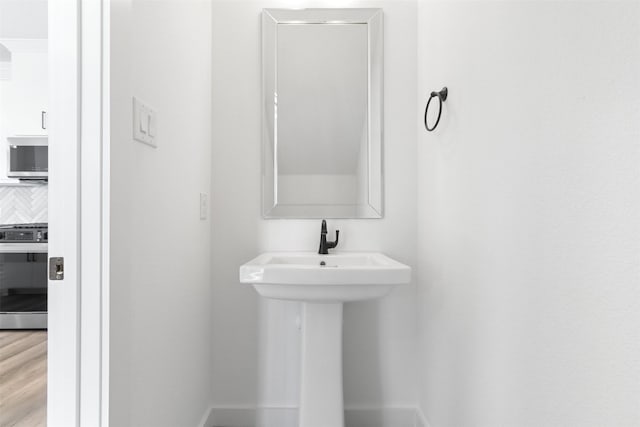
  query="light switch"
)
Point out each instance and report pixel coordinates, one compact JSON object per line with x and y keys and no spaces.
{"x":152,"y":123}
{"x":144,"y":123}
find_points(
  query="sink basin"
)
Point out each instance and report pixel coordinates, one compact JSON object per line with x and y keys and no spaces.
{"x":323,"y":283}
{"x":300,"y":276}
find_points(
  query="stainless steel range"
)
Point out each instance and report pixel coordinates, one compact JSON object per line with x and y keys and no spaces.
{"x":23,"y":276}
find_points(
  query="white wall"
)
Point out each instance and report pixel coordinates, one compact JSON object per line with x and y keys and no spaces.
{"x":529,"y":200}
{"x":256,"y":342}
{"x":160,"y":326}
{"x":23,"y":19}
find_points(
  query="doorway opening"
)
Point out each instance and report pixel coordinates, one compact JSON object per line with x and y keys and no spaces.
{"x":24,"y":103}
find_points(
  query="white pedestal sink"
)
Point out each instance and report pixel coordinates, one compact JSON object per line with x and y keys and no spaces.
{"x":323,"y":283}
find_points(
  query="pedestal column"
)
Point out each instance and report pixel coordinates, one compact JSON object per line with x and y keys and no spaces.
{"x":321,"y":397}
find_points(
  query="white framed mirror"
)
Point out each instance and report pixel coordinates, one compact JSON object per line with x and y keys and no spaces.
{"x":322,"y":77}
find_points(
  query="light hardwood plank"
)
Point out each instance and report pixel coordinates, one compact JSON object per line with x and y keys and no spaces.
{"x":23,"y":378}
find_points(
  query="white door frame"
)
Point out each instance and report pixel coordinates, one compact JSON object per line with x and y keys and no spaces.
{"x":78,"y":214}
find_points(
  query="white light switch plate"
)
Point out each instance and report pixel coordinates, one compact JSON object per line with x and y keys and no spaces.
{"x":144,"y":123}
{"x":204,"y":205}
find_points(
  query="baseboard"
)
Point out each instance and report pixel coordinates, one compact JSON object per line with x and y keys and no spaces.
{"x":288,"y":417}
{"x":207,"y":418}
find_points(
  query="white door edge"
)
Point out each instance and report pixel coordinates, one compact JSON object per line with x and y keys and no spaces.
{"x":77,"y":206}
{"x":63,"y":355}
{"x":93,"y":348}
{"x":105,"y":18}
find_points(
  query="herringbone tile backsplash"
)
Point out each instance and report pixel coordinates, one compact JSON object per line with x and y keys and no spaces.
{"x":22,"y":205}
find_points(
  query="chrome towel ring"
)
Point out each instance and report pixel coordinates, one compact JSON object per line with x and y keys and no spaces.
{"x":442,"y":96}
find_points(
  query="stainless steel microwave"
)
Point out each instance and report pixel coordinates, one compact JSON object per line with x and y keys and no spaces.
{"x":28,"y":158}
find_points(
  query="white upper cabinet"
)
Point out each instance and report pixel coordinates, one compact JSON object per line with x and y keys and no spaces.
{"x":24,"y":97}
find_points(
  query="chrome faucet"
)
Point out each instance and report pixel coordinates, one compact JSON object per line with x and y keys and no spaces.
{"x":324,"y":245}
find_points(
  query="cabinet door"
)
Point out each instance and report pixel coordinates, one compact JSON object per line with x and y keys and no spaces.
{"x":25,"y":95}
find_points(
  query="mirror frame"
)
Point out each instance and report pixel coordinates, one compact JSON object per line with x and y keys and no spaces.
{"x":271,"y":18}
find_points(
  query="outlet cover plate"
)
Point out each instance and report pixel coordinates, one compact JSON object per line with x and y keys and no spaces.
{"x":204,"y":205}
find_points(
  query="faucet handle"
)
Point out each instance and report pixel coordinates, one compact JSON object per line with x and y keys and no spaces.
{"x":331,"y":245}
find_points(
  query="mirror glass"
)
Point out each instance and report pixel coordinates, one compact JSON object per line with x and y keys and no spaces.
{"x":322,"y":113}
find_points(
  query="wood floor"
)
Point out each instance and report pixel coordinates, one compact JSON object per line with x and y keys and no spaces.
{"x":23,"y":378}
